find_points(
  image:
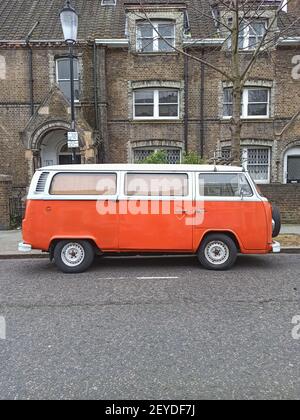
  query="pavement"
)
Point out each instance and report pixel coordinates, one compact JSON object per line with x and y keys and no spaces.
{"x":151,"y":328}
{"x":10,"y":239}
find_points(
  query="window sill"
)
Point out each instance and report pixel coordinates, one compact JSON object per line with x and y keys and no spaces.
{"x":249,"y":119}
{"x":157,"y":54}
{"x":157,"y":121}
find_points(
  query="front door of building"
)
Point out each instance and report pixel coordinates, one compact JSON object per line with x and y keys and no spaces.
{"x":293,"y":169}
{"x":67,"y":159}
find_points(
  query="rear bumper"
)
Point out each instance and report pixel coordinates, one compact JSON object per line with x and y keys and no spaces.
{"x":24,"y":247}
{"x":276,"y":248}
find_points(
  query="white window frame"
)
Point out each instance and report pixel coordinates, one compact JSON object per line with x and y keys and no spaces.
{"x":155,"y":36}
{"x":156,"y":105}
{"x":246,"y":34}
{"x":245,"y":103}
{"x":245,"y":163}
{"x":110,"y":3}
{"x":58,"y":80}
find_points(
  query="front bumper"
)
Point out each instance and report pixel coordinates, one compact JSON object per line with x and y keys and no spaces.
{"x":276,"y":247}
{"x":24,"y":247}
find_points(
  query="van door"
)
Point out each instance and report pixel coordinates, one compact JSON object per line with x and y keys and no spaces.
{"x":227,"y":202}
{"x":154,"y":212}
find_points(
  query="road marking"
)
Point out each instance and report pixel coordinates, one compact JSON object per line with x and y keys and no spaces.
{"x":140,"y":278}
{"x":157,"y":278}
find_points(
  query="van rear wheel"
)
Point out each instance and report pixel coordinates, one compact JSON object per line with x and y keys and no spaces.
{"x":217,"y":252}
{"x":73,"y":256}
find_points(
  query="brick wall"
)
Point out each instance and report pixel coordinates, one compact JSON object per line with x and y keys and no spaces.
{"x":287,"y":198}
{"x":5,"y":190}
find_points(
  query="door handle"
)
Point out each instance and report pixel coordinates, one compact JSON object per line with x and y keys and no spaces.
{"x":182,"y":211}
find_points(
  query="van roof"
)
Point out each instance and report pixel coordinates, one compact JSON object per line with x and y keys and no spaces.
{"x":142,"y":167}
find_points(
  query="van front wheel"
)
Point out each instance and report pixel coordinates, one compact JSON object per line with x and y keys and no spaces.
{"x":72,"y":256}
{"x":217,"y":252}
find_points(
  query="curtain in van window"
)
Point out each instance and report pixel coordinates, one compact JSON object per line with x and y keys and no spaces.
{"x":84,"y":184}
{"x":157,"y":185}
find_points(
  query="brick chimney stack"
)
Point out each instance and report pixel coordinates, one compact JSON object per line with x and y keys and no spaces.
{"x":294,"y":7}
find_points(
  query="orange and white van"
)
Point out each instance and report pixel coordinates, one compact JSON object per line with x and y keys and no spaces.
{"x":77,"y":211}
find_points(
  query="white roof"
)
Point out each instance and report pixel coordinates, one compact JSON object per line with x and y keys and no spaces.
{"x":142,"y":167}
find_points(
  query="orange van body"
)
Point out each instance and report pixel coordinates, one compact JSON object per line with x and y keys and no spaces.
{"x":249,"y":223}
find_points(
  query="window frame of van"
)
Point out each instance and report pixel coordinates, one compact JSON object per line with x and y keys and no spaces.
{"x":124,"y":196}
{"x":156,"y":104}
{"x":81,"y":197}
{"x":254,"y":197}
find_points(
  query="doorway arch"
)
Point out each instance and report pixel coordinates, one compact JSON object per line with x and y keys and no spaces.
{"x":54,"y":149}
{"x":291,"y":165}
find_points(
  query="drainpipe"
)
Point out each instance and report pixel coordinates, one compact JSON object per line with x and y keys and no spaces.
{"x":186,"y":102}
{"x":30,"y":63}
{"x":202,"y":101}
{"x":95,"y":64}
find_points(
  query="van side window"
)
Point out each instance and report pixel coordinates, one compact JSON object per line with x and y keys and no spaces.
{"x":224,"y":185}
{"x":156,"y":185}
{"x":84,"y":184}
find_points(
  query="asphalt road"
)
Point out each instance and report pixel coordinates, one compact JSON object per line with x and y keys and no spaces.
{"x":150,"y":328}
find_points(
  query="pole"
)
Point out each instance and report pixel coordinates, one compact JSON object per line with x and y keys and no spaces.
{"x":72,"y":98}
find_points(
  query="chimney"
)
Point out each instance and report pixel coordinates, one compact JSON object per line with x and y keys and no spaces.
{"x":294,"y":7}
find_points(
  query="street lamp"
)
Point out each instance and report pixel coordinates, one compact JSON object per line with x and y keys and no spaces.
{"x":69,"y":23}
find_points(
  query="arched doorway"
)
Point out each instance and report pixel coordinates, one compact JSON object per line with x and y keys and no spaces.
{"x":292,"y":165}
{"x":54,"y":149}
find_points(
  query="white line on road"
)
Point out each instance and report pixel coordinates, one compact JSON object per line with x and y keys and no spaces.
{"x":157,"y":278}
{"x":139,"y":278}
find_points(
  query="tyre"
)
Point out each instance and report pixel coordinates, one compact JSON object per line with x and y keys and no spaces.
{"x":73,"y":256}
{"x":276,"y":221}
{"x":217,"y":252}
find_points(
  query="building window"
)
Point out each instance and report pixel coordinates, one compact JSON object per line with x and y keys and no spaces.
{"x":257,"y":160}
{"x":156,"y":104}
{"x":255,"y":103}
{"x":108,"y":2}
{"x":63,"y":77}
{"x":149,"y":38}
{"x":173,"y":155}
{"x":252,"y":34}
{"x":258,"y":163}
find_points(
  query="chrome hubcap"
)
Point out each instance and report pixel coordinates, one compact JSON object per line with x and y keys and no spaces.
{"x":217,"y":252}
{"x":72,"y":254}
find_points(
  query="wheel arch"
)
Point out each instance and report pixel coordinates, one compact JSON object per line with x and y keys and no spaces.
{"x":229,"y":233}
{"x":55,"y":241}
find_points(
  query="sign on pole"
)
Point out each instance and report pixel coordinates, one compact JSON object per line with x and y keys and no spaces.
{"x":73,"y":140}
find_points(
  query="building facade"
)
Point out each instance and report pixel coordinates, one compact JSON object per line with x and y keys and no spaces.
{"x":136,"y":94}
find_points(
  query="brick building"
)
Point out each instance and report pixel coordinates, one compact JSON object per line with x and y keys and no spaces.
{"x":135,"y":94}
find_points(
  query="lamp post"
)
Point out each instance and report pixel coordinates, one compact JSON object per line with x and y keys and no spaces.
{"x":69,"y":23}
